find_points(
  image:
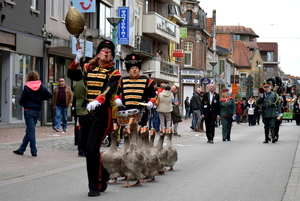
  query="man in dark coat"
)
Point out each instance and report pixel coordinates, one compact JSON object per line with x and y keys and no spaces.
{"x":187,"y":107}
{"x":196,"y":104}
{"x":210,"y":111}
{"x":269,"y":103}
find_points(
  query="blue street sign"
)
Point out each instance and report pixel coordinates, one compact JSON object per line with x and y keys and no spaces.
{"x":205,"y":81}
{"x":123,"y":28}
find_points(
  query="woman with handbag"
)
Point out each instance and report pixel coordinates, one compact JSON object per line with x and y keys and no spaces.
{"x":251,"y":106}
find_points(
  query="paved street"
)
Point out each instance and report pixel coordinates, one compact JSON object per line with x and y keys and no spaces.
{"x":243,"y":169}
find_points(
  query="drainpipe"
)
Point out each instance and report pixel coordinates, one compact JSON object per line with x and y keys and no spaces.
{"x":43,"y":73}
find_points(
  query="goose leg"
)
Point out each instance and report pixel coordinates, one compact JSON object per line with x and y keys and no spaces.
{"x":137,"y":183}
{"x":152,"y":180}
{"x":171,"y":169}
{"x":114,"y":182}
{"x":160,"y":173}
{"x":127,"y":185}
{"x":143,"y":181}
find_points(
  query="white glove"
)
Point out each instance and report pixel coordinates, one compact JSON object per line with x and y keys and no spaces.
{"x":92,"y":105}
{"x":150,"y":105}
{"x":280,"y":114}
{"x":79,"y":55}
{"x":118,"y":102}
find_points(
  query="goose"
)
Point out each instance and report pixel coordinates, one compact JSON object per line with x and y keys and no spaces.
{"x":153,"y":163}
{"x":126,"y":140}
{"x":172,"y":155}
{"x":161,"y":151}
{"x":139,"y":138}
{"x":152,"y":137}
{"x":126,"y":145}
{"x":133,"y":159}
{"x":112,"y":158}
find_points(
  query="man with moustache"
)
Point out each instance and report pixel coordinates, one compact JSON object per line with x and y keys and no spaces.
{"x":269,"y":102}
{"x":210,"y":110}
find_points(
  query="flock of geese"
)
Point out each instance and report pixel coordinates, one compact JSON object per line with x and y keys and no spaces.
{"x":139,"y":159}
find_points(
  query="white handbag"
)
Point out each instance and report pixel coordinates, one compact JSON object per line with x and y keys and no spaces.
{"x":250,"y":111}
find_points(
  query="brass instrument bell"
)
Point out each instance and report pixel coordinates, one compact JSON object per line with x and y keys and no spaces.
{"x":261,"y":90}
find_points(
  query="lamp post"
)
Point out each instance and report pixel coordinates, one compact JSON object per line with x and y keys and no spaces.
{"x":213,"y":63}
{"x":241,"y":86}
{"x":114,"y":21}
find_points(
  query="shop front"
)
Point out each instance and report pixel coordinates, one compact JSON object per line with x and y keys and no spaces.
{"x":16,"y":60}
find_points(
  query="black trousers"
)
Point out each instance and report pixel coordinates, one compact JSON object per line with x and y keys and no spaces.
{"x":210,"y":125}
{"x":95,"y":129}
{"x":276,"y":128}
{"x":297,"y":116}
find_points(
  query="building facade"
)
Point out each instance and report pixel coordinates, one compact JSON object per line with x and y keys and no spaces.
{"x":22,"y":49}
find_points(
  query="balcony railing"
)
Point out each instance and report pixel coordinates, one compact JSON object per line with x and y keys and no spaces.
{"x":160,"y":69}
{"x":143,"y":44}
{"x":172,"y":2}
{"x":160,"y":27}
{"x":169,"y":68}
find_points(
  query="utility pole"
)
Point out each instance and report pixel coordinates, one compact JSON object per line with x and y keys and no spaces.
{"x":249,"y":84}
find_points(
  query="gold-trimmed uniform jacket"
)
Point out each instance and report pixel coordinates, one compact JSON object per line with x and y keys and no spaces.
{"x":136,"y":91}
{"x":101,"y":82}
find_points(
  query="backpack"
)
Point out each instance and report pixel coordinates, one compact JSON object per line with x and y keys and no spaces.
{"x":239,"y":109}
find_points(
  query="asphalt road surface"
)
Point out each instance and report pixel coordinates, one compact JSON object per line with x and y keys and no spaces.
{"x":243,"y":169}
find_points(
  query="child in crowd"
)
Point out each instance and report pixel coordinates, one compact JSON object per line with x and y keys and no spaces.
{"x":176,"y":117}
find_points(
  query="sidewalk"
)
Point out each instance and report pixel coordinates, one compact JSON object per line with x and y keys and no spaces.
{"x":15,"y":135}
{"x":56,"y":150}
{"x":9,"y":135}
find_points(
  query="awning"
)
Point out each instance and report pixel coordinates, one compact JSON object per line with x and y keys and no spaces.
{"x":61,"y":51}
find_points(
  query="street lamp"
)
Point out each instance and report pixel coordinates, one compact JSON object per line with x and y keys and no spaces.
{"x":241,"y":86}
{"x":114,"y":21}
{"x":213,"y":63}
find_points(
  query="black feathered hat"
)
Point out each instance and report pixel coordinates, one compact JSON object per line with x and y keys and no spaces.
{"x":133,"y":60}
{"x":272,"y":80}
{"x":106,"y":43}
{"x":278,"y":81}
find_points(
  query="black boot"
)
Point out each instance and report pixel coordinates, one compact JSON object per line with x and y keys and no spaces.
{"x":266,"y":136}
{"x":274,"y":138}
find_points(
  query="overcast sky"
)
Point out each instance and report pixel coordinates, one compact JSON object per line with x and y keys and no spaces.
{"x":272,"y":21}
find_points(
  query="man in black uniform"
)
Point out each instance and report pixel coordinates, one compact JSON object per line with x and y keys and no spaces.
{"x":210,"y":110}
{"x":136,"y":89}
{"x":277,"y":87}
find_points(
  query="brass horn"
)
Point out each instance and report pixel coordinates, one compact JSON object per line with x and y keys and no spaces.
{"x":74,"y":22}
{"x":261,"y":90}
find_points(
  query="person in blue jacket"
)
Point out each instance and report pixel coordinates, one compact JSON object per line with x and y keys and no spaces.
{"x":31,"y":100}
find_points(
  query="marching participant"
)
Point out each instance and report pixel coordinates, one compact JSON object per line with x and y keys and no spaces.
{"x":136,"y":89}
{"x":101,"y":79}
{"x":269,"y":102}
{"x":277,"y":84}
{"x":227,"y":113}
